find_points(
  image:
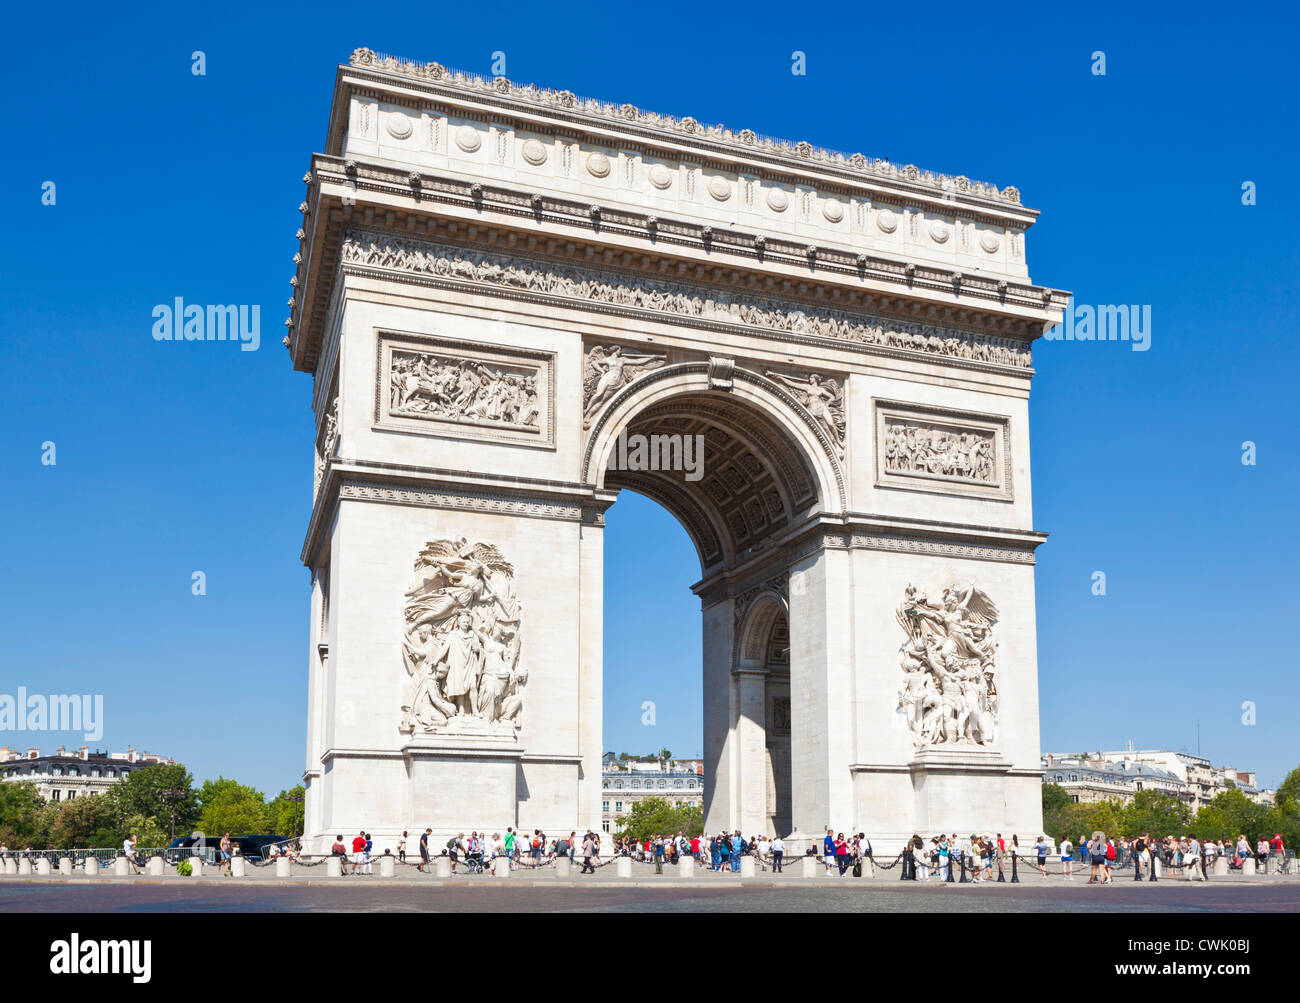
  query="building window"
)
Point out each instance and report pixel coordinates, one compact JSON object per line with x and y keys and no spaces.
{"x":677,"y":784}
{"x":71,"y":795}
{"x":605,"y":825}
{"x":604,"y":806}
{"x":56,"y":795}
{"x":618,"y":784}
{"x":618,"y":806}
{"x":636,"y":783}
{"x":1074,"y":777}
{"x":1076,"y":798}
{"x":663,"y":783}
{"x":690,"y":784}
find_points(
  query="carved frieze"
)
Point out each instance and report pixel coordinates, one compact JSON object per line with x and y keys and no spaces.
{"x":583,"y":286}
{"x":464,"y":389}
{"x":329,"y":441}
{"x":939,"y":449}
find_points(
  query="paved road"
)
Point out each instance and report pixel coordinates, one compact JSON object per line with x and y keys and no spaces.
{"x":697,"y":896}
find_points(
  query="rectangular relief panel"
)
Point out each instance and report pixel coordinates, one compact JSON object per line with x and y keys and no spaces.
{"x":923,"y":448}
{"x":464,"y":390}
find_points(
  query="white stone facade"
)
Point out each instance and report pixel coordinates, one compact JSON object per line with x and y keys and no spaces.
{"x":549,"y":273}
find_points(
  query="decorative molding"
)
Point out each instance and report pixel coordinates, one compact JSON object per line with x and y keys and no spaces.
{"x":582,"y":285}
{"x":744,"y":141}
{"x":464,"y":389}
{"x":469,"y":500}
{"x":923,"y":448}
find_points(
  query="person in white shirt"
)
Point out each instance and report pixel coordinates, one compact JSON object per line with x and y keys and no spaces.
{"x":778,"y":855}
{"x":1067,"y":858}
{"x":128,"y":851}
{"x":1193,"y":861}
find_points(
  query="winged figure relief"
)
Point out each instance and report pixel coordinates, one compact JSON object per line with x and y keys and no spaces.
{"x":823,"y":397}
{"x":949,"y":689}
{"x":461,"y":643}
{"x":608,"y":370}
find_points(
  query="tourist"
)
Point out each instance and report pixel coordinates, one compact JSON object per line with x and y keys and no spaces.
{"x":358,"y":852}
{"x":1043,"y":847}
{"x":588,"y":853}
{"x":424,"y":850}
{"x":1097,"y":856}
{"x":988,"y":859}
{"x":778,"y":854}
{"x":401,"y":847}
{"x":369,"y":846}
{"x":1067,"y":858}
{"x":224,"y":849}
{"x":453,"y":849}
{"x":128,"y":851}
{"x":1192,"y":860}
{"x":340,"y":850}
{"x":737,"y":851}
{"x":573,"y":846}
{"x":828,"y":850}
{"x":944,"y":858}
{"x":1110,"y":859}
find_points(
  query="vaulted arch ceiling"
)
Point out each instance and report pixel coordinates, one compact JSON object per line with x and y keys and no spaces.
{"x":755,"y":480}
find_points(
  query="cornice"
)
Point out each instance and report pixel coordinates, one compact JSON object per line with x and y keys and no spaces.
{"x":587,"y":113}
{"x":738,"y":266}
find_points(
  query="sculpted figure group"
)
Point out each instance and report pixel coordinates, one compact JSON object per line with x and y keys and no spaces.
{"x":465,"y":390}
{"x":911,"y":448}
{"x":461,"y":641}
{"x":949,"y":691}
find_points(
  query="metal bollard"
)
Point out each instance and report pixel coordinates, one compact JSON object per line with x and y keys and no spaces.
{"x":963,"y":880}
{"x":1015,"y":874}
{"x":1155,"y":868}
{"x":906,"y":864}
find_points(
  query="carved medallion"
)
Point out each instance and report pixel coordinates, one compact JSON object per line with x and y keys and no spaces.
{"x":468,"y":139}
{"x":598,"y":165}
{"x":534,"y":152}
{"x":660,"y":176}
{"x":399,"y":126}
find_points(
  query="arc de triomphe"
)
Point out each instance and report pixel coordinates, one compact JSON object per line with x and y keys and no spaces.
{"x":514,"y":303}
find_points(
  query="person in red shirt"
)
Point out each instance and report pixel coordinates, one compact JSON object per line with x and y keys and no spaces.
{"x":695,"y":848}
{"x":358,"y":852}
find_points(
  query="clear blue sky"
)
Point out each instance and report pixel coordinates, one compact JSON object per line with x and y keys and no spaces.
{"x":173,"y":458}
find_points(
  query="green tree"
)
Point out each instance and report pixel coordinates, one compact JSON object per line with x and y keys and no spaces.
{"x":651,"y":816}
{"x":1288,"y":792}
{"x":1156,"y":813}
{"x":227,"y":806}
{"x":284,"y":814}
{"x":1230,"y":815}
{"x":24,"y":815}
{"x":145,"y":793}
{"x":88,"y":822}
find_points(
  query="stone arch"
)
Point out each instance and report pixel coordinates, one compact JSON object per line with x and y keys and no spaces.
{"x":772,"y":463}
